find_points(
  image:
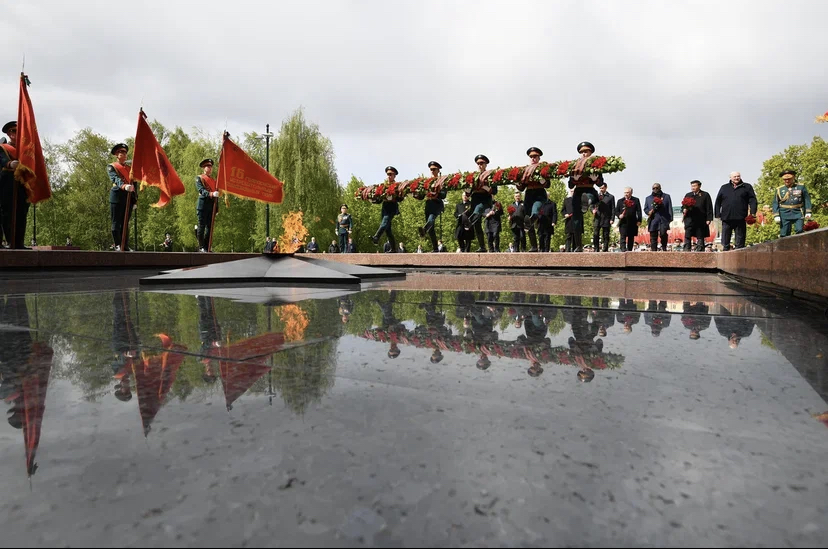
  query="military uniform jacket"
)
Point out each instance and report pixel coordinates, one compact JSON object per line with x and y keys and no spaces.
{"x":204,"y":186}
{"x":119,"y":175}
{"x":390,"y":208}
{"x":344,"y":223}
{"x":435,"y":206}
{"x":6,"y":156}
{"x":791,"y":203}
{"x":606,"y":211}
{"x":701,"y":213}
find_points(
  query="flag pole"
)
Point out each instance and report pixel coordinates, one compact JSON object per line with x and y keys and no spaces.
{"x":215,"y":200}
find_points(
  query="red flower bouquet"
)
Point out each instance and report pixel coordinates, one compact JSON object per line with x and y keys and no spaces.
{"x":563,"y":167}
{"x":811,"y":225}
{"x":629,"y":203}
{"x":750,"y":219}
{"x":511,"y":210}
{"x":545,"y":171}
{"x":514,"y":173}
{"x":599,"y":162}
{"x":688,"y":203}
{"x":658,"y":201}
{"x":498,"y":176}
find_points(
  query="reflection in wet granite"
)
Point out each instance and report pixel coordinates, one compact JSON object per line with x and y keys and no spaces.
{"x":411,"y":417}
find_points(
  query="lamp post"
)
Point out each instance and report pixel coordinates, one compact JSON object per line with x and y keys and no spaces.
{"x":267,"y":135}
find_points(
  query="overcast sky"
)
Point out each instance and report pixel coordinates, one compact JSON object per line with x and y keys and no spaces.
{"x":680,"y":90}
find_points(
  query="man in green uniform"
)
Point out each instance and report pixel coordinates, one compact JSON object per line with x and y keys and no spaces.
{"x":344,"y":227}
{"x":8,"y":184}
{"x":791,"y":204}
{"x":207,"y":189}
{"x":434,"y":207}
{"x":390,"y":209}
{"x":121,"y":193}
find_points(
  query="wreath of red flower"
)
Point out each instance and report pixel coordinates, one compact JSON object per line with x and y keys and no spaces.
{"x":514,"y":173}
{"x":414,"y":185}
{"x":598,"y":163}
{"x":454,"y":181}
{"x":470,"y":178}
{"x":563,"y":167}
{"x":545,"y":171}
{"x":498,"y":176}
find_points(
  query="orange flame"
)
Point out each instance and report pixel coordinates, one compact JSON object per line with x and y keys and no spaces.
{"x":295,"y":232}
{"x":823,"y":118}
{"x":295,"y":320}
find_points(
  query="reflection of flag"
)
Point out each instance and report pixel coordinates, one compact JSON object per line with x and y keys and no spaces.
{"x":236,"y":376}
{"x":242,"y":176}
{"x":31,"y":170}
{"x":151,"y":166}
{"x":35,"y":384}
{"x":154,"y":377}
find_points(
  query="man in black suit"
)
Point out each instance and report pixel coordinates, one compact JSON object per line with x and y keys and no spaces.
{"x":574,"y":224}
{"x":697,"y":219}
{"x":517,"y":223}
{"x":735,"y":201}
{"x":628,"y":211}
{"x":464,"y":232}
{"x":604,"y":212}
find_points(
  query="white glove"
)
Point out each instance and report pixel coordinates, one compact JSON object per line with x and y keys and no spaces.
{"x":807,"y":216}
{"x":128,"y":188}
{"x":594,"y":177}
{"x":777,"y":219}
{"x":214,"y":194}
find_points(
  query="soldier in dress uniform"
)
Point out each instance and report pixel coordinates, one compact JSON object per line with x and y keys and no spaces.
{"x":8,"y":184}
{"x":344,"y":227}
{"x":583,"y":184}
{"x":534,"y":197}
{"x":463,"y":232}
{"x":791,"y":204}
{"x":390,"y":209}
{"x":207,"y":189}
{"x":434,"y":207}
{"x":481,"y":200}
{"x":210,"y":334}
{"x":122,"y":191}
{"x":517,"y":223}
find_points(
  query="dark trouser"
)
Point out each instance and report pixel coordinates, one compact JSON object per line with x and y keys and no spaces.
{"x":343,"y":242}
{"x":574,"y":241}
{"x":519,"y":239}
{"x":117,"y":212}
{"x":628,"y":233}
{"x":577,"y":198}
{"x":464,"y":239}
{"x":385,"y":227}
{"x":729,"y":226}
{"x":429,"y":229}
{"x":654,"y":235}
{"x":545,"y":240}
{"x":602,"y":232}
{"x":532,"y":202}
{"x":785,"y":224}
{"x":205,"y":220}
{"x":694,"y":232}
{"x":494,"y":241}
{"x":7,"y":207}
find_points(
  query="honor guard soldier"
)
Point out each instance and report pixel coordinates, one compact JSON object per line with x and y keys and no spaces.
{"x":207,"y":190}
{"x":434,"y":207}
{"x":14,"y":203}
{"x":390,"y":209}
{"x":344,"y":227}
{"x":791,"y":204}
{"x":534,"y":197}
{"x":481,"y":200}
{"x":121,"y":195}
{"x":584,"y":185}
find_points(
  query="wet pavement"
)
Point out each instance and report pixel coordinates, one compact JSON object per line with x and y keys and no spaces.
{"x":616,"y":409}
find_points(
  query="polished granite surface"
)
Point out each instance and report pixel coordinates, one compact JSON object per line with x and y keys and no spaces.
{"x":460,"y":409}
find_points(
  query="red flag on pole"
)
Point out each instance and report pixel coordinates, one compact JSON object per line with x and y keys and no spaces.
{"x":151,"y":166}
{"x":31,"y":170}
{"x":242,"y":176}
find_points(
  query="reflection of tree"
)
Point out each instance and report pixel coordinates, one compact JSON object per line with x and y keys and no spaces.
{"x":303,"y":375}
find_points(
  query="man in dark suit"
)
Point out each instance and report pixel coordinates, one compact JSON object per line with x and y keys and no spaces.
{"x":517,"y":223}
{"x":351,"y":247}
{"x":464,"y":232}
{"x":659,"y":210}
{"x":604,"y":212}
{"x":547,"y":219}
{"x":735,"y":201}
{"x":313,"y":247}
{"x":574,"y":224}
{"x":628,"y":211}
{"x":697,"y":219}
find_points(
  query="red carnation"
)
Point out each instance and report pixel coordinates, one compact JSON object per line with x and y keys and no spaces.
{"x":498,"y":176}
{"x":470,"y":178}
{"x":455,"y":180}
{"x":563,"y":168}
{"x":598,"y":163}
{"x":511,"y":210}
{"x":688,"y":202}
{"x":545,"y":171}
{"x":392,"y":189}
{"x":427,"y":183}
{"x":750,"y":219}
{"x":413,"y":185}
{"x":811,"y":225}
{"x":629,"y":203}
{"x":514,"y":173}
{"x":598,"y":363}
{"x":658,"y":201}
{"x":379,"y":190}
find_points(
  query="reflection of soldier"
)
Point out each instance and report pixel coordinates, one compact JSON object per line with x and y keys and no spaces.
{"x":582,"y":344}
{"x":627,"y":314}
{"x":657,"y":317}
{"x":695,"y":323}
{"x":346,"y":306}
{"x":435,"y":327}
{"x":391,"y":324}
{"x":734,"y":328}
{"x":603,"y":318}
{"x":15,"y":349}
{"x":210,"y":335}
{"x":125,"y":344}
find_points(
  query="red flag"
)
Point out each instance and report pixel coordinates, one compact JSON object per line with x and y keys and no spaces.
{"x":151,"y":166}
{"x":242,"y":176}
{"x":239,"y":377}
{"x":31,"y":170}
{"x":154,"y":377}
